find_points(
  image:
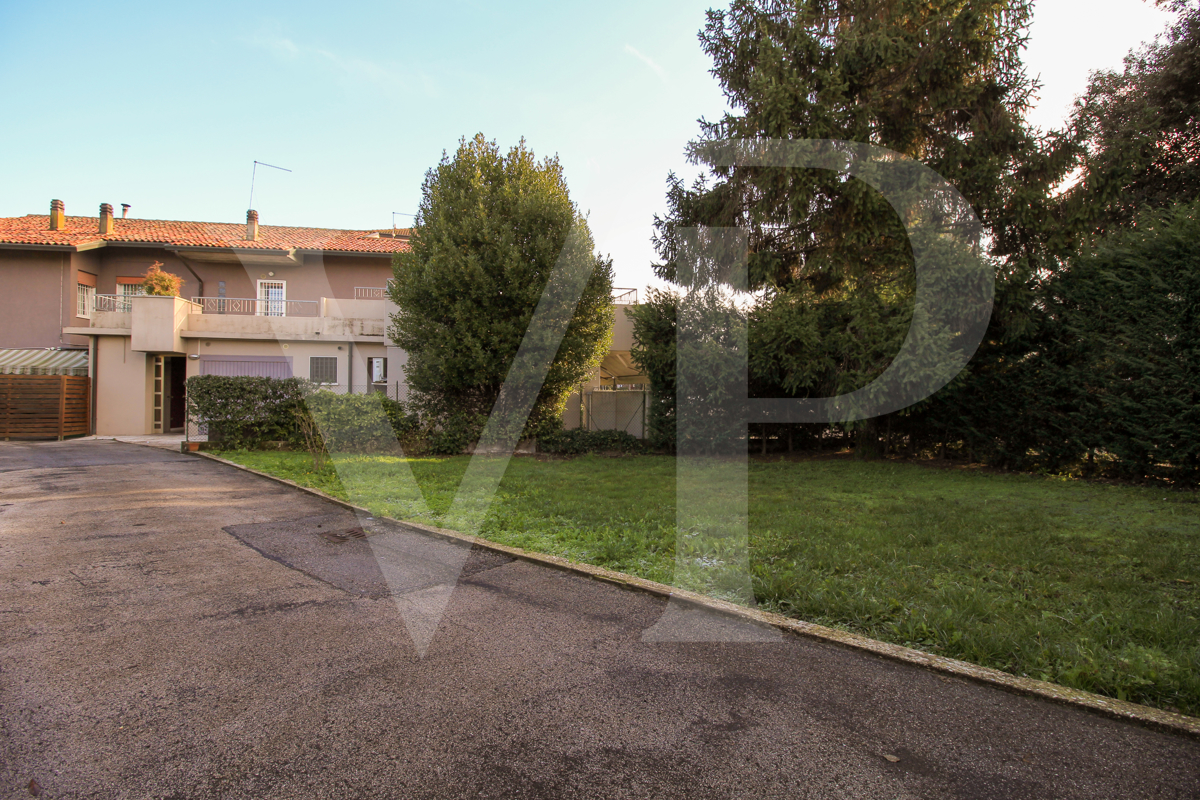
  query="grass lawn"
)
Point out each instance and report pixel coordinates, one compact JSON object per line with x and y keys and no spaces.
{"x":1091,"y":586}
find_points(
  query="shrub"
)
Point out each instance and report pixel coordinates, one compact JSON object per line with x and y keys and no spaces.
{"x":579,"y":441}
{"x":362,"y":422}
{"x":163,"y":284}
{"x":451,"y":434}
{"x":246,"y":411}
{"x":311,"y":436}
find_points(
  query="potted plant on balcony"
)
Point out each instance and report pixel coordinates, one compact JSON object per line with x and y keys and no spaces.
{"x":161,"y":284}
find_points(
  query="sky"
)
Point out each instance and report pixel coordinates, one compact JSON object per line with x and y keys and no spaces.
{"x":167,"y":106}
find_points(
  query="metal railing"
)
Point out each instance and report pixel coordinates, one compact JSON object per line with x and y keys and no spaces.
{"x":113,"y":302}
{"x":624,"y":297}
{"x":249,"y":306}
{"x":370,"y":292}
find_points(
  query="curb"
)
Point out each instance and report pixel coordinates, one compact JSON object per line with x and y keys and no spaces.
{"x":1121,"y":710}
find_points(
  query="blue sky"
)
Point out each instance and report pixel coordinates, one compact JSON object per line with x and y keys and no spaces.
{"x":165,"y":107}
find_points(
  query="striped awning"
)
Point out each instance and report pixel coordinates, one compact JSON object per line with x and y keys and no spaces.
{"x":46,"y":361}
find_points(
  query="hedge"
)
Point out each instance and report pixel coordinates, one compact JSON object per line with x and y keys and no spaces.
{"x":244,"y":411}
{"x":579,"y":441}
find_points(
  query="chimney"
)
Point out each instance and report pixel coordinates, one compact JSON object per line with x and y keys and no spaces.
{"x":124,"y":210}
{"x":252,"y":225}
{"x":106,"y":218}
{"x":58,"y":215}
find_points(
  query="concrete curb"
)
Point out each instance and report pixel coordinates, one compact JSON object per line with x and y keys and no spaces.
{"x":1122,"y":710}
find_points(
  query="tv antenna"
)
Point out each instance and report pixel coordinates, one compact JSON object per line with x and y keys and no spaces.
{"x":254,"y":171}
{"x":401,"y":213}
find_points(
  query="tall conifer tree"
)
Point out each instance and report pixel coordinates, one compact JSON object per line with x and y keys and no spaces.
{"x":938,"y":81}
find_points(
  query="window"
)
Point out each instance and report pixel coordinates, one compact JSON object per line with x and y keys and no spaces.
{"x":251,"y":366}
{"x":322,"y":369}
{"x":85,"y":296}
{"x":272,"y":298}
{"x":377,"y":368}
{"x":126,"y":291}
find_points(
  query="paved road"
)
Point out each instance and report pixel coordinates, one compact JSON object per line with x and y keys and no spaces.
{"x":173,"y":628}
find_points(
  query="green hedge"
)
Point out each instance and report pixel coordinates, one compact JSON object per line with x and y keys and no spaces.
{"x":243,"y":412}
{"x":362,"y":422}
{"x":579,"y":441}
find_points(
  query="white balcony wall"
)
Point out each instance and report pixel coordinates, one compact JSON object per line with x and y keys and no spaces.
{"x":282,"y":327}
{"x":112,"y":319}
{"x":353,"y":309}
{"x":157,"y":322}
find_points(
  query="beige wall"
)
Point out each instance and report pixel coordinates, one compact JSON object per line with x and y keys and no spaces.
{"x":33,"y":287}
{"x":347,"y":272}
{"x":310,"y":278}
{"x":238,"y":282}
{"x":397,"y":358}
{"x":298,"y":351}
{"x":361,"y":375}
{"x":133,"y":262}
{"x":112,"y":319}
{"x":124,"y":400}
{"x":353,"y":309}
{"x":89,"y":264}
{"x":157,"y":321}
{"x":283,"y":327}
{"x":622,"y":330}
{"x":39,"y":289}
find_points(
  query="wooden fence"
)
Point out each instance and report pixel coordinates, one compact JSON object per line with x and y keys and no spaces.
{"x":44,"y":406}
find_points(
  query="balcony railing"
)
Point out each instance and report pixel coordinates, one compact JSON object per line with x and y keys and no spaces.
{"x":113,"y":302}
{"x":248,"y":306}
{"x":370,"y":292}
{"x":624,"y":297}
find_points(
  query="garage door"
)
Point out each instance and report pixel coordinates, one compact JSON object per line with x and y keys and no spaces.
{"x":252,"y":366}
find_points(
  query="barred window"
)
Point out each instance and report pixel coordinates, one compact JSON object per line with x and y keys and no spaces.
{"x":85,"y":296}
{"x":322,"y":369}
{"x":272,"y":298}
{"x":126,"y":291}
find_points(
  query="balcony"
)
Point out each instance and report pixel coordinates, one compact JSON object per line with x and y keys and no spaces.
{"x":159,"y":324}
{"x":624,"y":297}
{"x":113,"y":303}
{"x":248,"y":306}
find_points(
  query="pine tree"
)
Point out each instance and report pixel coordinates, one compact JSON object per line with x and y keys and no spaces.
{"x":940,"y":82}
{"x":1141,"y":130}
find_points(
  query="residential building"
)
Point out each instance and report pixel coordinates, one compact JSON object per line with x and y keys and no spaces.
{"x":256,"y":299}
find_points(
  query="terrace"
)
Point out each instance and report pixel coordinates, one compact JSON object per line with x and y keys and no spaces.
{"x":157,"y":323}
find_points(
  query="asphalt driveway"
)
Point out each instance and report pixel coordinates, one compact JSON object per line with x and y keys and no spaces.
{"x":173,"y":628}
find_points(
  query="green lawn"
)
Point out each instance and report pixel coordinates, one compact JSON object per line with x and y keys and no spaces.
{"x":1091,"y":586}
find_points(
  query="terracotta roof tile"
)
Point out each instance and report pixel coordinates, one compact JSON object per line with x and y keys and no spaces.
{"x":34,"y":229}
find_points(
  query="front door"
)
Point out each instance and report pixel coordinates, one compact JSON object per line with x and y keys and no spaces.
{"x":178,"y":378}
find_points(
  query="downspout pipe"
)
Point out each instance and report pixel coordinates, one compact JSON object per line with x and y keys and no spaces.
{"x":62,"y":288}
{"x":94,"y":359}
{"x":199,"y":282}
